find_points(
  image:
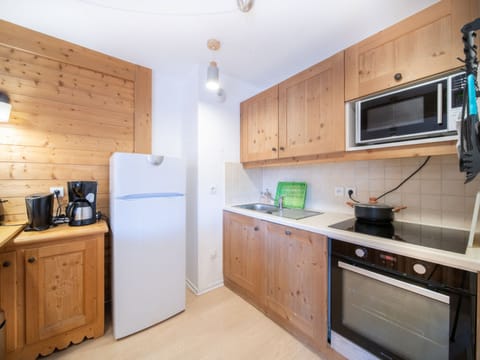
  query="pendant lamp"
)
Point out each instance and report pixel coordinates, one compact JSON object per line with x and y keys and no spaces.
{"x":213,"y":82}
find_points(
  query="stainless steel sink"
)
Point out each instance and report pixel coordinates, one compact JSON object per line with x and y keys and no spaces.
{"x":259,"y":207}
{"x":295,"y":214}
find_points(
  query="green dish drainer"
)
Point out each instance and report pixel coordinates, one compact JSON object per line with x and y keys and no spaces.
{"x":293,"y":194}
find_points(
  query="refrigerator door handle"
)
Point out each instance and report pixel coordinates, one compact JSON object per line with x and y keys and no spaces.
{"x":155,"y":159}
{"x":149,"y":196}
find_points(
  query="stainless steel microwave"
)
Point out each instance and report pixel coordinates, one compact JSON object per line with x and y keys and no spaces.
{"x":424,"y":110}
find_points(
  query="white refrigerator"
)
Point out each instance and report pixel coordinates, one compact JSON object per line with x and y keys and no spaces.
{"x":147,"y":220}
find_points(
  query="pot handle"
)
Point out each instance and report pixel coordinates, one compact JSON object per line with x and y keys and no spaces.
{"x":398,"y":208}
{"x":350,"y":203}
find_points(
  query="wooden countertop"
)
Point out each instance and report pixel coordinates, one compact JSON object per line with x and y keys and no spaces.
{"x":60,"y":232}
{"x":8,"y":232}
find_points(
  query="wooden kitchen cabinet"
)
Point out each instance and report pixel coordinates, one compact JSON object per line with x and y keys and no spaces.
{"x":312,"y":111}
{"x":302,"y":116}
{"x":422,"y":45}
{"x":8,"y":297}
{"x":60,"y":288}
{"x":54,"y":288}
{"x":259,"y":126}
{"x":243,"y":256}
{"x":297,"y":281}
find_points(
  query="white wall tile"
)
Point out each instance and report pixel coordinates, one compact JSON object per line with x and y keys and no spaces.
{"x":436,"y":195}
{"x":453,"y":203}
{"x":431,"y":186}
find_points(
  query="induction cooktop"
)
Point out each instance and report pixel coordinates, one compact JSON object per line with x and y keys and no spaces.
{"x":424,"y":235}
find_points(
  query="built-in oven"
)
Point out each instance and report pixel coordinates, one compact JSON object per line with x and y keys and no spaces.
{"x":398,"y":307}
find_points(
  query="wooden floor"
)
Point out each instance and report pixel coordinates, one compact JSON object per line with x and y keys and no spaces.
{"x":217,"y":325}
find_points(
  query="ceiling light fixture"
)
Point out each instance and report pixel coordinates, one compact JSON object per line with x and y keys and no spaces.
{"x":245,"y":5}
{"x":5,"y":107}
{"x":213,"y":82}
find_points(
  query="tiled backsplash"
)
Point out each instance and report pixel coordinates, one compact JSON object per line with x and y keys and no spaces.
{"x":436,"y":195}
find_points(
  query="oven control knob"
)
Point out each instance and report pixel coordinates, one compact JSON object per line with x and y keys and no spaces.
{"x":360,"y":252}
{"x":419,"y":269}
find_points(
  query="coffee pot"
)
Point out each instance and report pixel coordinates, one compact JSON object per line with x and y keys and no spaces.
{"x":81,"y":209}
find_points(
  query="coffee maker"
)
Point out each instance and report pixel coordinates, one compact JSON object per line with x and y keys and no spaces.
{"x":82,"y":197}
{"x":39,"y":211}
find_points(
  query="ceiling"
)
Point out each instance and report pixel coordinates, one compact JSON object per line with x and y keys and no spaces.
{"x":273,"y":41}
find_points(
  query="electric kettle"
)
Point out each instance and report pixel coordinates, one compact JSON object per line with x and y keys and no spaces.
{"x":39,"y":211}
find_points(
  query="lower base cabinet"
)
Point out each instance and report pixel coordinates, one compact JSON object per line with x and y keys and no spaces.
{"x":243,"y":254}
{"x":54,"y":293}
{"x":296,"y":273}
{"x":290,"y":271}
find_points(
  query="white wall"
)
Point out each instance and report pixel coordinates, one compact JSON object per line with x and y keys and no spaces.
{"x":218,"y":143}
{"x":190,"y":122}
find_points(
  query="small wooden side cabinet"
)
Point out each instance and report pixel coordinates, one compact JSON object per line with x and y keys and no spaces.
{"x":52,"y":289}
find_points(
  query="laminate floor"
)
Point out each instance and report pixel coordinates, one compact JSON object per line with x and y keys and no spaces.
{"x":216,"y":326}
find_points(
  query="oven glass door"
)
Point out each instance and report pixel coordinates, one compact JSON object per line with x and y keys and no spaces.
{"x":400,"y":320}
{"x":408,"y":113}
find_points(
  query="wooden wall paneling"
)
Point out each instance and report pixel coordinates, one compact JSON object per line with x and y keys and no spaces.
{"x":20,"y":153}
{"x":21,"y":135}
{"x":18,"y":37}
{"x":143,"y":110}
{"x":72,"y":107}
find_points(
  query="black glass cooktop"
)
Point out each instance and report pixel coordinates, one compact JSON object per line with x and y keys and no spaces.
{"x":423,"y":235}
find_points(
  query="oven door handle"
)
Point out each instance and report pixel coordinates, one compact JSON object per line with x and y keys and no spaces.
{"x":397,"y":283}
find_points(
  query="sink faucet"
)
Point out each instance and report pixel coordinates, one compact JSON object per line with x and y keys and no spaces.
{"x":280,"y":202}
{"x":266,"y":197}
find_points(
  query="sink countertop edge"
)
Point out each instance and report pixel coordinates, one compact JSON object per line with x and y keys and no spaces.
{"x":320,"y":224}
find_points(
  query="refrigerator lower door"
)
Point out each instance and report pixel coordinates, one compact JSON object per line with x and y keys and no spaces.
{"x":148,"y":249}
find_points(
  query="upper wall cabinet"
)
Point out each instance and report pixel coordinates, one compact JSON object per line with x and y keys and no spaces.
{"x":422,"y":45}
{"x":259,"y":126}
{"x":302,"y":116}
{"x":311,"y":110}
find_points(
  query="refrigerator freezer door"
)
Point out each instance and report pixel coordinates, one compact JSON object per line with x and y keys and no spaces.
{"x":139,"y":173}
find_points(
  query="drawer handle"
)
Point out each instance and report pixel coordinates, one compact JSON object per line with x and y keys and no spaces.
{"x":288,"y":232}
{"x":256,"y":228}
{"x":398,"y":76}
{"x":31,"y":260}
{"x":6,"y":263}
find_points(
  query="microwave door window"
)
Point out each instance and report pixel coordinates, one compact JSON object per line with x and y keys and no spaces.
{"x":390,"y":117}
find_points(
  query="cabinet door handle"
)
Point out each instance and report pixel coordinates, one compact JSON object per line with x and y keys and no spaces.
{"x":6,"y":263}
{"x":256,"y":228}
{"x":288,"y":232}
{"x":274,"y":149}
{"x":398,"y":76}
{"x":282,"y":148}
{"x":31,"y":260}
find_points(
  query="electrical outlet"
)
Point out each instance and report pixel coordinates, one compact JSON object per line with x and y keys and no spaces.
{"x":353,"y":189}
{"x":57,"y":188}
{"x":339,"y":191}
